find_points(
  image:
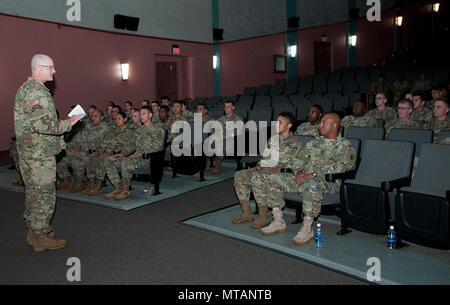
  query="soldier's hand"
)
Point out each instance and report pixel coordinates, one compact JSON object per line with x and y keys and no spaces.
{"x":119,"y":155}
{"x":79,"y":148}
{"x":95,"y":153}
{"x":256,"y":168}
{"x":75,"y":118}
{"x":303,"y":177}
{"x":134,"y":156}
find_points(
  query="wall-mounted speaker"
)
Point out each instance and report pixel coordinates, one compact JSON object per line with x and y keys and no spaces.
{"x":293,"y":22}
{"x":126,"y":23}
{"x":217,"y":34}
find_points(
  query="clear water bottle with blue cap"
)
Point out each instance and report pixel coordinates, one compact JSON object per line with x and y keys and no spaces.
{"x":391,"y":238}
{"x":318,"y":236}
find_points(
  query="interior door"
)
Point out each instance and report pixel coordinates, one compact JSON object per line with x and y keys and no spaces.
{"x":322,"y":57}
{"x":166,"y":80}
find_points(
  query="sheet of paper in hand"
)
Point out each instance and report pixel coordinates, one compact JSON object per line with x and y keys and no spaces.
{"x":77,"y":110}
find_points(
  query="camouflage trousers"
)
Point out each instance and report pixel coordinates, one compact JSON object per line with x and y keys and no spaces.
{"x":95,"y":168}
{"x":39,"y":177}
{"x":269,"y":189}
{"x":127,"y":167}
{"x":77,"y":159}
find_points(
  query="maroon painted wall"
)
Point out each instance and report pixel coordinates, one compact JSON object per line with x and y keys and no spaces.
{"x":336,"y":35}
{"x":88,"y":65}
{"x":250,"y":62}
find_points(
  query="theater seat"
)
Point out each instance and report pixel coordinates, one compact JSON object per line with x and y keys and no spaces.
{"x":422,"y":209}
{"x":366,"y":200}
{"x":364,"y":134}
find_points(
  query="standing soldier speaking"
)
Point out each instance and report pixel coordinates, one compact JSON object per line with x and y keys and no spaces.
{"x":39,"y":139}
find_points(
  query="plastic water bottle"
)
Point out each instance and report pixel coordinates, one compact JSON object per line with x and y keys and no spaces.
{"x":318,"y":236}
{"x":391,"y":238}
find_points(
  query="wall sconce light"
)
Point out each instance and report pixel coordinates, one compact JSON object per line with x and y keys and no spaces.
{"x":436,"y":7}
{"x":215,"y":62}
{"x":125,"y":68}
{"x":293,"y":50}
{"x":399,"y":21}
{"x":352,"y":40}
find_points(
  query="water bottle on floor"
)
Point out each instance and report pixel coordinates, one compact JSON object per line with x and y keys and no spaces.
{"x":318,"y":236}
{"x":391,"y":238}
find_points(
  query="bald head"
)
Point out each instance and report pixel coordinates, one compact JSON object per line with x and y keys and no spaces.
{"x":329,"y":125}
{"x":42,"y":68}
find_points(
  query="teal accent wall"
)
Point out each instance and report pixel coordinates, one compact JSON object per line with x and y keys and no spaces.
{"x":215,"y":23}
{"x":291,"y":39}
{"x":352,"y":52}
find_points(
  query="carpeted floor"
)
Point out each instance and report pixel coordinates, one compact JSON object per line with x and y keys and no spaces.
{"x":349,"y":254}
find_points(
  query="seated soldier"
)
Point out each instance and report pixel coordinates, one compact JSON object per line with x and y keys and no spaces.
{"x":311,"y":128}
{"x":155,"y":108}
{"x":203,"y":110}
{"x":358,"y":119}
{"x":382,"y":111}
{"x":422,"y":85}
{"x":436,"y":94}
{"x":382,"y":85}
{"x":145,"y":103}
{"x":405,"y":108}
{"x":228,"y":117}
{"x":115,"y":109}
{"x":399,"y":88}
{"x":421,"y":114}
{"x":135,"y":119}
{"x":186,"y":112}
{"x":244,"y":180}
{"x":149,"y":139}
{"x":441,"y":121}
{"x":127,"y":107}
{"x":328,"y":153}
{"x":118,"y":142}
{"x":91,"y":143}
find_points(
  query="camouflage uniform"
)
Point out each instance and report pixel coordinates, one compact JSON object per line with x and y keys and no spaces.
{"x":400,"y":88}
{"x":388,"y":114}
{"x":155,"y":118}
{"x":397,"y":123}
{"x":147,"y":140}
{"x":384,"y":87}
{"x":421,"y":86}
{"x":223,"y":121}
{"x":168,"y":125}
{"x":39,"y":139}
{"x":437,"y":126}
{"x":307,"y":129}
{"x":362,"y":121}
{"x":426,"y":115}
{"x":323,"y":156}
{"x":429,"y":104}
{"x":445,"y":141}
{"x":13,"y":154}
{"x":244,"y":180}
{"x":116,"y":140}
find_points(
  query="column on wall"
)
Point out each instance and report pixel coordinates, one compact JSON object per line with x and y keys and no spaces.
{"x":291,"y":39}
{"x":352,"y":55}
{"x":217,"y":80}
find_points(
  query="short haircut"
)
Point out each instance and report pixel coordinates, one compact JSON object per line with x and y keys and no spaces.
{"x":165,"y":107}
{"x":177,"y":102}
{"x":122,"y":114}
{"x":100,"y":112}
{"x":129,"y":103}
{"x":421,"y":95}
{"x":146,"y":101}
{"x":204,"y":105}
{"x":405,"y":101}
{"x":118,"y":107}
{"x":229,"y":101}
{"x":37,"y":60}
{"x":288,"y":116}
{"x":155,"y":102}
{"x":318,"y":107}
{"x":146,"y":107}
{"x":384,"y":94}
{"x":437,"y":88}
{"x":183,"y":102}
{"x":92,"y":107}
{"x":442,"y":100}
{"x":165,"y":97}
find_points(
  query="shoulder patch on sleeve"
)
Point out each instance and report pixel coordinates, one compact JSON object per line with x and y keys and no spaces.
{"x":33,"y":103}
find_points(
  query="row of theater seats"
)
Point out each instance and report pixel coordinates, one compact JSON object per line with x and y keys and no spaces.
{"x":348,"y":81}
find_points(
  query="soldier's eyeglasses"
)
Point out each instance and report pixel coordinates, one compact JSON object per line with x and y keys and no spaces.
{"x":50,"y":67}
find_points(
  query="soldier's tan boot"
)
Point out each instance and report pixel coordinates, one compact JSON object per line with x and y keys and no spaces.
{"x":116,"y":191}
{"x":263,"y":217}
{"x":124,"y":193}
{"x":65,"y":184}
{"x":89,"y":187}
{"x":306,"y":233}
{"x":44,"y":242}
{"x":30,"y":236}
{"x":97,"y":188}
{"x":278,"y":225}
{"x":217,"y":167}
{"x":246,"y":214}
{"x":77,"y":187}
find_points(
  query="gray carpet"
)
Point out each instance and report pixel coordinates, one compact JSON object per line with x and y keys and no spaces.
{"x":412,"y":265}
{"x":169,"y":187}
{"x":147,"y":245}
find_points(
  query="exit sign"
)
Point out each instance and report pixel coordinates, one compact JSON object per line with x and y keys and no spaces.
{"x":175,"y":50}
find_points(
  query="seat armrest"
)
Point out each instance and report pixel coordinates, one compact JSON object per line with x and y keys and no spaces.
{"x":347,"y":175}
{"x":389,"y":186}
